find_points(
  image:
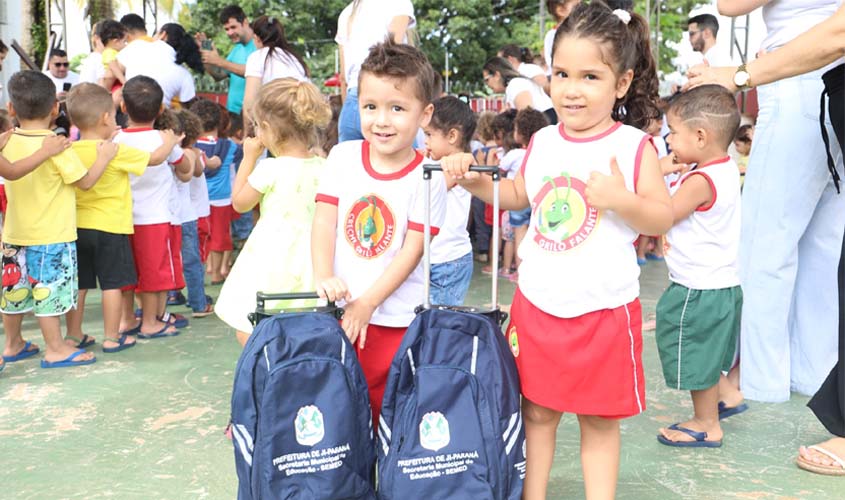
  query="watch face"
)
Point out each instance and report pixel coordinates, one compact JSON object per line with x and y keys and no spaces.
{"x":741,"y":78}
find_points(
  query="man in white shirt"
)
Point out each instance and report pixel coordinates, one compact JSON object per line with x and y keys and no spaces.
{"x":59,"y":71}
{"x":702,"y":30}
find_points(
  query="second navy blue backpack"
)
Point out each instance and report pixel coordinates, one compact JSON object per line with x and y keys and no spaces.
{"x":451,"y":425}
{"x":301,"y":418}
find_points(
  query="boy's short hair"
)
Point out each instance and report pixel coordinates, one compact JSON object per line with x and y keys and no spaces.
{"x":452,"y":113}
{"x":134,"y":22}
{"x":86,"y":103}
{"x":712,"y":105}
{"x":191,"y":127}
{"x":6,"y":122}
{"x":236,"y":125}
{"x":168,"y":120}
{"x":232,"y":12}
{"x":142,"y":96}
{"x":109,"y":29}
{"x":402,"y":62}
{"x":484,"y":126}
{"x":208,"y":113}
{"x":528,"y":121}
{"x":32,"y":94}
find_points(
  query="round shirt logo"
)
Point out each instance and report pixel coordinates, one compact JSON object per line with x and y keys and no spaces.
{"x":513,"y":340}
{"x":561,"y":216}
{"x":369,"y":226}
{"x":309,"y":425}
{"x":434,"y":431}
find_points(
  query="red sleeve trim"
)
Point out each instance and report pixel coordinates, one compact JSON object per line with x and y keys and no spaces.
{"x":416,"y":226}
{"x":639,"y":158}
{"x":708,"y":206}
{"x":331,"y":200}
{"x":178,"y":161}
{"x":527,"y":154}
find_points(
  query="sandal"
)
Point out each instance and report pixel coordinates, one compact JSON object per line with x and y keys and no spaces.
{"x":827,"y":470}
{"x":81,"y":343}
{"x":121,"y":344}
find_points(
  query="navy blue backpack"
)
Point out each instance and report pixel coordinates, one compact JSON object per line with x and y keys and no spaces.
{"x":451,"y":422}
{"x":301,"y":418}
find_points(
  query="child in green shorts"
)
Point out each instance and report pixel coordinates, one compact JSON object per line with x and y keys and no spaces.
{"x":698,"y":315}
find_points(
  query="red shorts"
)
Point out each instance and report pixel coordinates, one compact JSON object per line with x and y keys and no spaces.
{"x":589,"y":365}
{"x":151,"y":247}
{"x":3,"y":200}
{"x":176,"y":255}
{"x":204,"y":234}
{"x":221,"y":233}
{"x":375,"y":358}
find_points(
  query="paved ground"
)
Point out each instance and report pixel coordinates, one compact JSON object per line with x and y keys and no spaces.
{"x":148,"y":423}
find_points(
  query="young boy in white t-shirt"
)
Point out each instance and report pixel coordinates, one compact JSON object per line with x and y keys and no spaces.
{"x":367,"y":237}
{"x":698,"y":315}
{"x":450,"y":131}
{"x":151,"y":213}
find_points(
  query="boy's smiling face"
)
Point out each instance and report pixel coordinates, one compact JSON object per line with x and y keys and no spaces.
{"x":391,"y":115}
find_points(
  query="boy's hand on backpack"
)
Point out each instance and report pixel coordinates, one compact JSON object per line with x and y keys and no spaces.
{"x":53,"y":144}
{"x":356,"y":318}
{"x":605,"y":191}
{"x":333,"y":289}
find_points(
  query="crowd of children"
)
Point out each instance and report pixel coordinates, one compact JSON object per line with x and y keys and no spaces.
{"x":140,"y":212}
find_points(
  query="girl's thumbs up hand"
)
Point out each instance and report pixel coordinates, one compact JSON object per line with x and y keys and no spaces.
{"x":606,"y":191}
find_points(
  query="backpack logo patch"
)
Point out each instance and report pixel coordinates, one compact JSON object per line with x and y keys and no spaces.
{"x":310,"y":429}
{"x":434,"y":431}
{"x":513,"y":340}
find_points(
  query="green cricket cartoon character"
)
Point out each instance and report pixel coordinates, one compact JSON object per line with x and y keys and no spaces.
{"x":559,"y":212}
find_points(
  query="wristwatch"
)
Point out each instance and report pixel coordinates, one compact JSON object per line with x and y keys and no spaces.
{"x":742,"y":78}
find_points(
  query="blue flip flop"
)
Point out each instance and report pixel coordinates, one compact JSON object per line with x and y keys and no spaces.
{"x":700,"y":439}
{"x":23,"y":354}
{"x":725,"y":412}
{"x":132,"y":331}
{"x":159,"y":334}
{"x":68,"y":361}
{"x":641,"y":262}
{"x":651,"y":256}
{"x":121,"y":344}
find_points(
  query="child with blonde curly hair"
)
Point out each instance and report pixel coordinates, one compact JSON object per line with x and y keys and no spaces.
{"x":277,"y":257}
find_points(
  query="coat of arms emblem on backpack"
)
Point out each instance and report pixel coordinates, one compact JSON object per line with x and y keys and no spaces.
{"x":434,"y":431}
{"x":309,"y":426}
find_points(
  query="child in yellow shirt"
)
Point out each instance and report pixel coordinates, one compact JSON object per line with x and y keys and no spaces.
{"x":39,"y":250}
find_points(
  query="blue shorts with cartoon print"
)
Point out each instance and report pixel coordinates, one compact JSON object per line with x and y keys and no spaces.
{"x":39,"y":278}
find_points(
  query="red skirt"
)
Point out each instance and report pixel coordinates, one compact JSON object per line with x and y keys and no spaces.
{"x":589,"y":365}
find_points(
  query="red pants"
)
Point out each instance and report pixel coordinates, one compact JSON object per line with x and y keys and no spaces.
{"x":204,"y":233}
{"x":375,"y":358}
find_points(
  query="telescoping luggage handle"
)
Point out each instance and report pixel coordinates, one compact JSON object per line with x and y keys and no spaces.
{"x":493,"y":170}
{"x":261,"y":299}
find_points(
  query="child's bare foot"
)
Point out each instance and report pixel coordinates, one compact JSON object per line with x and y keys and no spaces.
{"x":64,"y":352}
{"x":80,"y":342}
{"x":712,"y":429}
{"x":18,"y":348}
{"x":114,"y":343}
{"x":729,"y":394}
{"x":130,"y":328}
{"x":157,"y":329}
{"x":833,"y":465}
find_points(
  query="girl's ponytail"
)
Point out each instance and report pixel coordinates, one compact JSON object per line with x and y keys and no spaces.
{"x":640,"y":104}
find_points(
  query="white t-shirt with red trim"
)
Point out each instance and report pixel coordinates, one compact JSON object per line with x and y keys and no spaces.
{"x":374,"y":212}
{"x":453,"y":240}
{"x":151,"y":192}
{"x":199,"y":193}
{"x":577,"y":259}
{"x":182,"y":207}
{"x":702,"y":250}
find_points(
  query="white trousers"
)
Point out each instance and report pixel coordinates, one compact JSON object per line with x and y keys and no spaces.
{"x":792,"y":221}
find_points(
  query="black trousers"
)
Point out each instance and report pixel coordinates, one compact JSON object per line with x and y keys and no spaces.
{"x":829,"y":402}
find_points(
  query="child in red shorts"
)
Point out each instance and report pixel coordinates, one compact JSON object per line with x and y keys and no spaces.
{"x":151,"y":213}
{"x":367,"y":237}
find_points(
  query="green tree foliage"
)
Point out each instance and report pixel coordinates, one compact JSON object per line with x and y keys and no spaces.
{"x":470,"y":30}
